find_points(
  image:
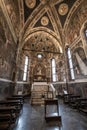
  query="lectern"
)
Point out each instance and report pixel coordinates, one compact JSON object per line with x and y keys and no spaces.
{"x":54,"y":115}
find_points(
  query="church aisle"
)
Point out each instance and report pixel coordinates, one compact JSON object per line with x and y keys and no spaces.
{"x":32,"y":118}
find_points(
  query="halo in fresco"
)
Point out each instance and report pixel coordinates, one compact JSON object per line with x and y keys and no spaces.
{"x":63,"y":9}
{"x":30,"y":3}
{"x":44,"y":20}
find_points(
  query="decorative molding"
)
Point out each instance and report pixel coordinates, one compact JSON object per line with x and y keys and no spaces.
{"x":21,"y":8}
{"x":75,"y":42}
{"x":6,"y":80}
{"x":21,"y":82}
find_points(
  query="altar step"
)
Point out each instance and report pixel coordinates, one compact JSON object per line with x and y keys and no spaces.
{"x":39,"y":92}
{"x":37,"y":101}
{"x":37,"y":97}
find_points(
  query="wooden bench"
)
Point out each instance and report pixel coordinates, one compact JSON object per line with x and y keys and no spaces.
{"x":66,"y":98}
{"x":15,"y":98}
{"x":82,"y":105}
{"x":23,"y":96}
{"x":4,"y":126}
{"x":17,"y":103}
{"x":9,"y":110}
{"x":73,"y":100}
{"x":5,"y":121}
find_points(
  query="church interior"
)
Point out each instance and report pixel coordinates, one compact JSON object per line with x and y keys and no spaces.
{"x":43,"y":64}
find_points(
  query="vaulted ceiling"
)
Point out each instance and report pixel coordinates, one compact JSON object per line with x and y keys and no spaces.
{"x":40,"y":21}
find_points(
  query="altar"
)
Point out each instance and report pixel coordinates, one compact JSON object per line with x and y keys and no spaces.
{"x":39,"y":86}
{"x":40,"y":78}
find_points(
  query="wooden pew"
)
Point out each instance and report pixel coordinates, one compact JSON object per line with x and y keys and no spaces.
{"x":66,"y":98}
{"x":16,"y":98}
{"x":5,"y":121}
{"x":73,"y":100}
{"x":9,"y":110}
{"x":24,"y":96}
{"x":16,"y":103}
{"x":82,"y":105}
{"x":9,"y":107}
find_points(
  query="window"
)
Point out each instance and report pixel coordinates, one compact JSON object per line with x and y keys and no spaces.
{"x":39,"y":56}
{"x":70,"y":65}
{"x":86,"y":33}
{"x":25,"y":68}
{"x":53,"y":70}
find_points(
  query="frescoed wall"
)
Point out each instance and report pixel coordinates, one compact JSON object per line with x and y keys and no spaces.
{"x":7,"y":50}
{"x":13,"y":12}
{"x":79,"y":63}
{"x":7,"y":55}
{"x":78,"y":18}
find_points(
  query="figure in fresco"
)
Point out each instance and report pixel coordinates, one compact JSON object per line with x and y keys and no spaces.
{"x":8,"y":39}
{"x":6,"y":52}
{"x":30,"y":3}
{"x":5,"y":35}
{"x":77,"y":70}
{"x":12,"y":16}
{"x":39,"y":71}
{"x":81,"y":63}
{"x":11,"y":13}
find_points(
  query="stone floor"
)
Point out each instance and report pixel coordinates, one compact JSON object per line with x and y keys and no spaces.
{"x":32,"y":118}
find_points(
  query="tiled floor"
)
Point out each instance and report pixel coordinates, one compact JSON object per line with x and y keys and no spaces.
{"x":32,"y":118}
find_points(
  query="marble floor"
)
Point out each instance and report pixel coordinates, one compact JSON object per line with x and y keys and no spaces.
{"x":32,"y":118}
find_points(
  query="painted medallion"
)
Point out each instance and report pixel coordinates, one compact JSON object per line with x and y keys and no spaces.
{"x":30,"y":3}
{"x":63,"y":9}
{"x":44,"y":20}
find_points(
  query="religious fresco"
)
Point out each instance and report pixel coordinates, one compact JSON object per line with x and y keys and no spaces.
{"x":79,"y":63}
{"x":76,"y":22}
{"x":7,"y":50}
{"x":30,"y":3}
{"x":13,"y":12}
{"x":29,"y":6}
{"x":39,"y":72}
{"x":63,"y":9}
{"x":40,"y":42}
{"x":44,"y":20}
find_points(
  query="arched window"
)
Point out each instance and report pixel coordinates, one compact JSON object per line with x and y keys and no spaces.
{"x":25,"y":68}
{"x":53,"y":70}
{"x":70,"y":64}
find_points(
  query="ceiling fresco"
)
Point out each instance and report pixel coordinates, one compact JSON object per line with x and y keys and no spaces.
{"x":48,"y":15}
{"x":61,"y":7}
{"x":43,"y":28}
{"x":29,"y":17}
